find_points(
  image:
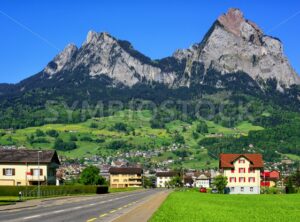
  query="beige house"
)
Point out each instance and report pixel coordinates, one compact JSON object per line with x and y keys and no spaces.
{"x":242,"y":172}
{"x":28,"y":167}
{"x":163,"y":178}
{"x":125,"y":177}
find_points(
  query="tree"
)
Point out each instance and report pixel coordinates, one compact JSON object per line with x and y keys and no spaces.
{"x":289,"y":187}
{"x":90,"y":176}
{"x":39,"y":133}
{"x":220,"y":182}
{"x":178,"y":138}
{"x":202,"y":128}
{"x":296,"y":178}
{"x":52,"y":133}
{"x":176,"y":182}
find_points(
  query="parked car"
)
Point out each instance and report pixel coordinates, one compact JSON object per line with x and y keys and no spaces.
{"x":203,"y":190}
{"x":214,"y":191}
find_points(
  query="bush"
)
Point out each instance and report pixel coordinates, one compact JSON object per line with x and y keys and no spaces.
{"x":86,"y":139}
{"x":93,"y":126}
{"x":64,"y":146}
{"x":52,"y":133}
{"x":52,"y":190}
{"x":39,"y":133}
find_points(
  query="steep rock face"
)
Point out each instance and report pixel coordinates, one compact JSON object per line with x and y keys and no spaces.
{"x":101,"y":54}
{"x":234,"y":44}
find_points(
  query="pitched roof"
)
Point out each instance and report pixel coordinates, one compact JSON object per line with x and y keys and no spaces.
{"x":167,"y":174}
{"x":125,"y":170}
{"x":28,"y":156}
{"x":226,"y":160}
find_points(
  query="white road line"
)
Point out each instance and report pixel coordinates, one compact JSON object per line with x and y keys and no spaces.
{"x":58,"y":211}
{"x":35,"y":216}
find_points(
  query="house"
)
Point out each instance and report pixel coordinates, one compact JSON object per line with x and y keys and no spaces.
{"x":202,"y":180}
{"x":242,"y":172}
{"x":28,"y":167}
{"x":163,"y":178}
{"x":269,"y":178}
{"x":122,"y":177}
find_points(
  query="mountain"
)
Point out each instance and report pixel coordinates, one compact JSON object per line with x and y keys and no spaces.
{"x":234,"y":58}
{"x":232,"y":45}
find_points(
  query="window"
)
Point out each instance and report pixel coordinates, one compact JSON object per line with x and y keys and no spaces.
{"x":231,"y":189}
{"x":116,"y":180}
{"x":36,"y":172}
{"x":9,"y":172}
{"x":251,"y":189}
{"x":251,"y":179}
{"x":251,"y":170}
{"x":242,"y":179}
{"x":242,"y":170}
{"x":241,"y":161}
{"x":242,"y":189}
{"x":232,"y":179}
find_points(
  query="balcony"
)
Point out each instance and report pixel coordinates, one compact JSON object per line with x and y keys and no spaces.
{"x":36,"y":178}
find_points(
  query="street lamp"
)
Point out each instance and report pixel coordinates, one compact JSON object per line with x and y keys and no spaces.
{"x":39,"y":172}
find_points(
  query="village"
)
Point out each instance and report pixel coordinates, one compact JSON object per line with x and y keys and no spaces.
{"x":245,"y":173}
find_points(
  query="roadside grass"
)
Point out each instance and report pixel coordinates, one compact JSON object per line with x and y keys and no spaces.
{"x":128,"y":189}
{"x":8,"y":200}
{"x":190,"y":206}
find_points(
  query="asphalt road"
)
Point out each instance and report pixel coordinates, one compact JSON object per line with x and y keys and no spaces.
{"x":96,"y":208}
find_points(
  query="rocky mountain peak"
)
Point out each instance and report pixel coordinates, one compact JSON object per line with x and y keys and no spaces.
{"x":60,"y":61}
{"x":233,"y":44}
{"x":94,"y":37}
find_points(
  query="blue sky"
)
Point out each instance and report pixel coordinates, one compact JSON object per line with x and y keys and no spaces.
{"x":33,"y":32}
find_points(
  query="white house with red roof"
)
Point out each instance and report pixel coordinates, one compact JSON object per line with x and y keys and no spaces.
{"x":242,"y":172}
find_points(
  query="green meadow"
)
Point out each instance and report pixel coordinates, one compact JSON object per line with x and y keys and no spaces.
{"x":192,"y":206}
{"x":96,"y":136}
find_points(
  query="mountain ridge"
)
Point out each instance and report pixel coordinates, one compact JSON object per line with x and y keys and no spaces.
{"x":233,"y":44}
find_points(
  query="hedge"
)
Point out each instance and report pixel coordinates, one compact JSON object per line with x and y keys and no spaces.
{"x":52,"y":190}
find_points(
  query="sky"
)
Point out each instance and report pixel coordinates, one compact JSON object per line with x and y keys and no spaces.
{"x":33,"y":31}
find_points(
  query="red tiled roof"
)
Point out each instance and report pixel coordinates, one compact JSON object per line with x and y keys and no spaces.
{"x":226,"y":160}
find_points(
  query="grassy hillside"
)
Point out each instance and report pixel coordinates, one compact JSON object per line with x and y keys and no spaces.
{"x":125,"y":131}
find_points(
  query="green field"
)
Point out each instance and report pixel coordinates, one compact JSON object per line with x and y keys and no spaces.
{"x":191,"y":206}
{"x":139,"y":136}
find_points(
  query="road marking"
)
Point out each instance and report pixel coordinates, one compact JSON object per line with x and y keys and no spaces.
{"x":91,"y":220}
{"x":35,"y":216}
{"x":112,"y":211}
{"x":58,"y":211}
{"x":77,"y":208}
{"x":103,"y":215}
{"x":120,"y":208}
{"x":92,"y":204}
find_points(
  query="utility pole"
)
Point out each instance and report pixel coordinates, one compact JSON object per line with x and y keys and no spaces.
{"x":39,"y":172}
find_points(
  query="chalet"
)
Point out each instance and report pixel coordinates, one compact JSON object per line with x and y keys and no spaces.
{"x":122,"y":177}
{"x":269,"y":178}
{"x":242,"y":172}
{"x":202,"y":180}
{"x":28,"y":167}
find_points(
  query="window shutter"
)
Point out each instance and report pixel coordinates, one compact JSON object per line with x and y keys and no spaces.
{"x":249,"y":179}
{"x":235,"y":179}
{"x":13,"y":172}
{"x":31,"y":172}
{"x":253,"y":179}
{"x":3,"y":172}
{"x":41,"y":172}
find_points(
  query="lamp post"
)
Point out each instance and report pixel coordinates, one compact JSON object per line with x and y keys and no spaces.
{"x":39,"y":172}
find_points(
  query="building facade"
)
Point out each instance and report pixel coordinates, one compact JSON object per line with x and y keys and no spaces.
{"x":203,"y":180}
{"x":124,"y":177}
{"x":163,"y":178}
{"x":242,"y":172}
{"x":28,"y":167}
